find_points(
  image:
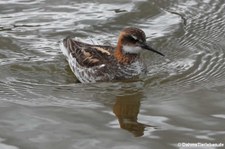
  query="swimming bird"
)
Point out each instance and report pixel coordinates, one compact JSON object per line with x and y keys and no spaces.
{"x":98,"y":63}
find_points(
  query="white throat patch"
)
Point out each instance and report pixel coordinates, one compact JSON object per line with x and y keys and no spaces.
{"x":131,"y":49}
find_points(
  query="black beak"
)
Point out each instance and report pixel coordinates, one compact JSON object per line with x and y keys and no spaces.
{"x":145,"y":46}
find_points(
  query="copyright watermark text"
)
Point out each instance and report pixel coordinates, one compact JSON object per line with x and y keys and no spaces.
{"x":199,"y":144}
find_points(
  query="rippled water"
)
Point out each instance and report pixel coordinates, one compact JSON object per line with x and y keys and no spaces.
{"x":182,"y":98}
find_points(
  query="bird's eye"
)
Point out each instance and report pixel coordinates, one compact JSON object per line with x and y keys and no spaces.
{"x":131,"y":39}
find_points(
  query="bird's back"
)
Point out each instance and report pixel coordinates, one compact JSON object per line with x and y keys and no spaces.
{"x":90,"y":63}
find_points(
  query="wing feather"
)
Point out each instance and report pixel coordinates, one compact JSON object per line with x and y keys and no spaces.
{"x":88,"y":55}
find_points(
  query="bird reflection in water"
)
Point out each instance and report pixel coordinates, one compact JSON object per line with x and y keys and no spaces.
{"x":126,"y":109}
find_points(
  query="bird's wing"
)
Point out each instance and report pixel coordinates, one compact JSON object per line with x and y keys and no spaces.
{"x":88,"y":55}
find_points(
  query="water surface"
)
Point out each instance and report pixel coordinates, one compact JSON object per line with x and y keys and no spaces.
{"x":181,"y":99}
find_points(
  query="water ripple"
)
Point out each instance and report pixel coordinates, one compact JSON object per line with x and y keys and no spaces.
{"x":37,"y":85}
{"x":200,"y":54}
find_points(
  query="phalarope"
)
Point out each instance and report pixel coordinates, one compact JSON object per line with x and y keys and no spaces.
{"x":95,"y":63}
